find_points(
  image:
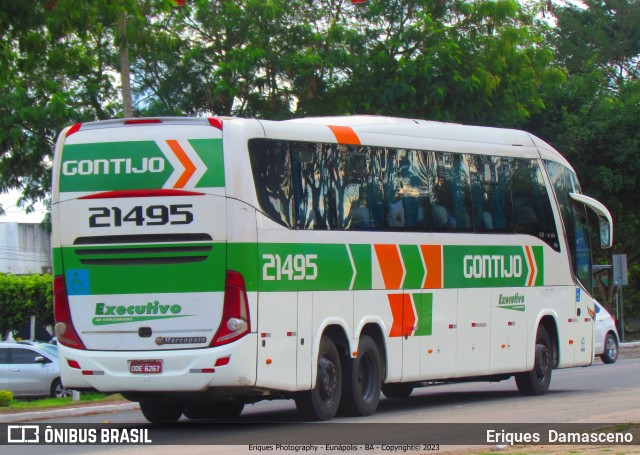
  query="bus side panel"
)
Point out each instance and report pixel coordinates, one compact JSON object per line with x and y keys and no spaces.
{"x":277,"y":338}
{"x":439,"y":349}
{"x":304,"y":357}
{"x":374,"y":307}
{"x":474,"y":332}
{"x":509,"y":328}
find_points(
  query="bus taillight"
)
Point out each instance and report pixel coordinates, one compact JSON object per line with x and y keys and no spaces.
{"x":65,"y":332}
{"x":235,"y":313}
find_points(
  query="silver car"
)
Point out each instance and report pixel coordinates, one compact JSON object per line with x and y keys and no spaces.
{"x":30,"y":370}
{"x":605,"y":336}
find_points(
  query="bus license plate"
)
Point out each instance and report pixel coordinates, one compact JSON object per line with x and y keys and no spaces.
{"x":145,"y":366}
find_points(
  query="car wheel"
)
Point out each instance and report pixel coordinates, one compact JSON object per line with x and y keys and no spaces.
{"x":610,"y":354}
{"x":58,"y":390}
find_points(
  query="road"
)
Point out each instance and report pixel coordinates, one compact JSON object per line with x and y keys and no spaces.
{"x":597,"y":394}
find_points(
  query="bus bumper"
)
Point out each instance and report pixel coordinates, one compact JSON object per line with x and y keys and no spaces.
{"x":184,"y":370}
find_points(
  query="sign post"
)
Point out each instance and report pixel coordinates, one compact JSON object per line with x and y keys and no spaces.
{"x":620,"y":278}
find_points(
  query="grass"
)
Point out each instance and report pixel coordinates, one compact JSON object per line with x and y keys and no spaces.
{"x":48,"y":403}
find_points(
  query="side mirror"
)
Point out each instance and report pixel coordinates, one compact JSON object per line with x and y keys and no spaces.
{"x":604,"y":218}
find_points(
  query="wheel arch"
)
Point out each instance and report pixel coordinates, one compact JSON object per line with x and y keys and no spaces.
{"x":548,"y":321}
{"x":374,"y":331}
{"x":338,"y":335}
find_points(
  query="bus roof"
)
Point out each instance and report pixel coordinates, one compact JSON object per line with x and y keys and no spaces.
{"x":398,"y":126}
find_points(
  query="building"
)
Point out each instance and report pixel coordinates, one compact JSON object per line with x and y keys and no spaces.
{"x":24,"y":248}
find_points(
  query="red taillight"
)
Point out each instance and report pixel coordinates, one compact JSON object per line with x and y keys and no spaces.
{"x":65,"y":332}
{"x":74,"y":129}
{"x":235,"y":321}
{"x":215,"y":122}
{"x":142,"y":121}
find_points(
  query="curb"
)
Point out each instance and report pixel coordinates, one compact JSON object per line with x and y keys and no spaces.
{"x":631,"y":344}
{"x":67,"y":412}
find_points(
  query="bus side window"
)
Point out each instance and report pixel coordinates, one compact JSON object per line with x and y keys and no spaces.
{"x":452,"y":193}
{"x":271,"y":165}
{"x":531,"y":203}
{"x":491,"y":193}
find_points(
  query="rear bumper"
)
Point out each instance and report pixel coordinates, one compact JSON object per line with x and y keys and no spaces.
{"x":188,"y":370}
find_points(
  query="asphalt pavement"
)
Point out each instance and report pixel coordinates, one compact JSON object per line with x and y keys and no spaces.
{"x":73,"y":410}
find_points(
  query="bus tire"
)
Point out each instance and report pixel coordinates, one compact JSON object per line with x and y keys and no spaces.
{"x":321,"y":402}
{"x":362,"y":380}
{"x":213,"y":409}
{"x":537,"y":381}
{"x":158,"y":411}
{"x":398,"y":390}
{"x":610,"y":353}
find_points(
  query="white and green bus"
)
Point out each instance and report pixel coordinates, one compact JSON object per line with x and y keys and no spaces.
{"x":203,"y":264}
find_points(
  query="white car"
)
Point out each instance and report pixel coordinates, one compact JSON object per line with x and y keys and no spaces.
{"x":605,"y":337}
{"x":30,"y":370}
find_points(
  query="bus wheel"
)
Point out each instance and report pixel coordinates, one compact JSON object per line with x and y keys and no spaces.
{"x":537,"y":381}
{"x":158,"y":411}
{"x":399,"y":390}
{"x":321,"y":402}
{"x":213,"y":409}
{"x":362,"y":380}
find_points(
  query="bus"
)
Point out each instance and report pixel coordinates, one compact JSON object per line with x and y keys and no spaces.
{"x":203,"y":264}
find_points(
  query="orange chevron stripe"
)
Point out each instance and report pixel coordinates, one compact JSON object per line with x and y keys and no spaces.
{"x":345,"y":135}
{"x":432,"y":255}
{"x":531,"y":265}
{"x":189,"y":167}
{"x":390,"y":265}
{"x":404,"y":318}
{"x":396,"y":302}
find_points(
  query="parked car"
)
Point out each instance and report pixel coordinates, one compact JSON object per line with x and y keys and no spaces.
{"x":605,"y":337}
{"x":30,"y":370}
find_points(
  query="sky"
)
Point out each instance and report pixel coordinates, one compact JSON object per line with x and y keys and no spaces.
{"x":14,"y":213}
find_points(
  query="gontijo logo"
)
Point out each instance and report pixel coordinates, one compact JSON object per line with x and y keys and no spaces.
{"x":112,"y":166}
{"x":168,"y":163}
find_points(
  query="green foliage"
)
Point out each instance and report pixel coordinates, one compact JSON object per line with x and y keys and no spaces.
{"x":479,"y":62}
{"x":491,"y":62}
{"x":22,"y":297}
{"x":593,"y":118}
{"x":5,"y":398}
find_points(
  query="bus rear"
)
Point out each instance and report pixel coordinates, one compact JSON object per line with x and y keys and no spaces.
{"x":143,"y":298}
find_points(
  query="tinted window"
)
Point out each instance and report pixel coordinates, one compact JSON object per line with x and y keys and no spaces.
{"x":531,"y":204}
{"x":574,"y":218}
{"x":23,"y":356}
{"x":328,"y":186}
{"x":491,"y":193}
{"x":272,"y":174}
{"x":451,"y":198}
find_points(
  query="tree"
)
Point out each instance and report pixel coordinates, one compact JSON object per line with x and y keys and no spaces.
{"x":594,"y":117}
{"x":55,"y":64}
{"x":480,"y":62}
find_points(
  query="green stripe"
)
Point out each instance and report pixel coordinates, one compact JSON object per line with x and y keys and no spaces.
{"x":412,"y":260}
{"x":210,"y":152}
{"x":362,"y":260}
{"x":424,"y":310}
{"x":280,"y":267}
{"x":207,"y":275}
